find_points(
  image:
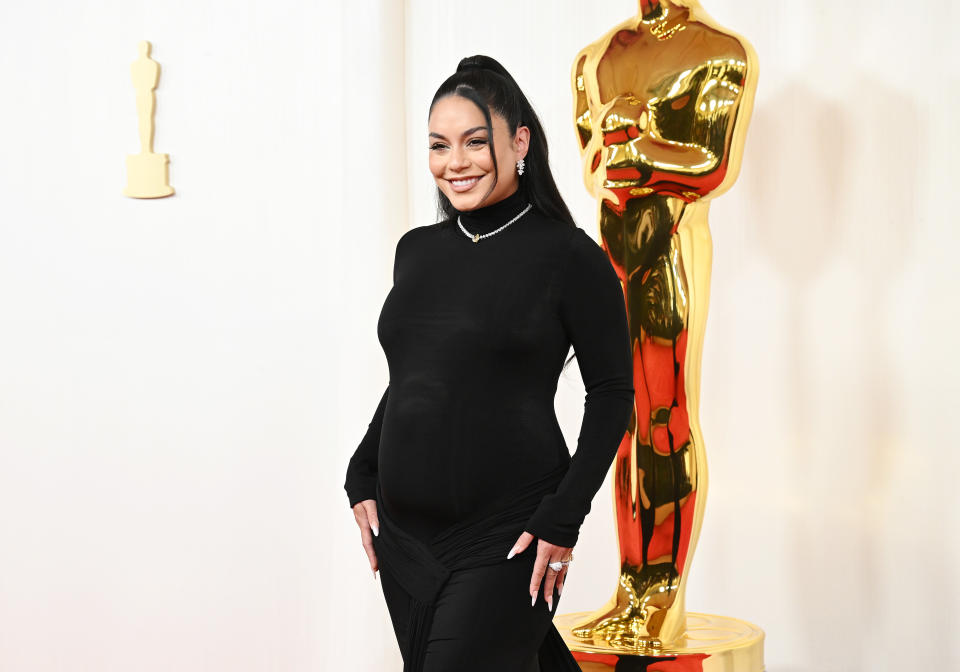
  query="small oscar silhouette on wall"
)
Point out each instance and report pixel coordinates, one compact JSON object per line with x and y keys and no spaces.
{"x":147,"y":173}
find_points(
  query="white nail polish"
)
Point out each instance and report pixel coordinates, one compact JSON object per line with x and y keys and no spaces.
{"x":376,"y":530}
{"x":513,"y":552}
{"x":550,"y":603}
{"x":533,"y":600}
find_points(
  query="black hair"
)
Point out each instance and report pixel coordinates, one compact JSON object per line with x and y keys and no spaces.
{"x":483,"y":81}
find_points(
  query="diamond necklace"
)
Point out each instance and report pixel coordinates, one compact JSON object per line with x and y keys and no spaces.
{"x":476,"y":236}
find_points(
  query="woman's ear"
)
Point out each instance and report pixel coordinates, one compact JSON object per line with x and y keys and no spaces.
{"x":521,"y":141}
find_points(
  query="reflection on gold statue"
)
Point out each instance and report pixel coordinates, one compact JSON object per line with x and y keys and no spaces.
{"x":662,"y":103}
{"x":147,"y":173}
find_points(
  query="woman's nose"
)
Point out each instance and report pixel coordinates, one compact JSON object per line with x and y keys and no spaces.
{"x":458,"y":159}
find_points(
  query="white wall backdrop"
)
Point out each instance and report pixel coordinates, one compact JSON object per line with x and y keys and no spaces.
{"x":182,"y":381}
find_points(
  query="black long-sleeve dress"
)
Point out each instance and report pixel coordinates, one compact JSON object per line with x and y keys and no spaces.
{"x":475,"y":336}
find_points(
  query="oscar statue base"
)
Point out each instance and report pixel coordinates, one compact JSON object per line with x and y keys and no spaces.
{"x":711,"y":643}
{"x":148,"y":175}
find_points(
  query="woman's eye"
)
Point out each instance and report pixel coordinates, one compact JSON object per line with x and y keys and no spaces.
{"x":472,"y":142}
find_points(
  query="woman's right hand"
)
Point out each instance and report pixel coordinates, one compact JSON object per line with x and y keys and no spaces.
{"x":365,"y":512}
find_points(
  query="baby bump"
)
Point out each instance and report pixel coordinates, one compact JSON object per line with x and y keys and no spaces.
{"x":417,"y":461}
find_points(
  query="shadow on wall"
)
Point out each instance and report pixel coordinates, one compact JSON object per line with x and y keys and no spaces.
{"x":832,"y":197}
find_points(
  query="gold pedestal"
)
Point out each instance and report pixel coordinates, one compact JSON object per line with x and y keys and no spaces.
{"x":710,"y":643}
{"x":148,"y":175}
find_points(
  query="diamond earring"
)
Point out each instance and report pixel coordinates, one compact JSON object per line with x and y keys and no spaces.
{"x":520,"y":167}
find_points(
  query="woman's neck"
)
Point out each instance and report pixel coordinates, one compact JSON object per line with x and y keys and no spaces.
{"x":486,"y":218}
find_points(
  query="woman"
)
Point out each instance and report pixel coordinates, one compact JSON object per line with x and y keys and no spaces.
{"x":464,"y":463}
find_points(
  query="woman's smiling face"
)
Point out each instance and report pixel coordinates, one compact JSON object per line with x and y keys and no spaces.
{"x":460,"y":157}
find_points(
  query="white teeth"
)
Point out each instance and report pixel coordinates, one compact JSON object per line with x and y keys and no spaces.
{"x":463,"y":183}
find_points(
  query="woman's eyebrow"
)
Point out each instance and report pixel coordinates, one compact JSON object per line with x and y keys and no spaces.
{"x":466,"y":132}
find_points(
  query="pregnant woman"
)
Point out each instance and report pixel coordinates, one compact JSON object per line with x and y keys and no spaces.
{"x":464,"y":466}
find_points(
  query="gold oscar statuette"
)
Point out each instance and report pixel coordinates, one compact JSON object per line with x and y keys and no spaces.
{"x":661,"y":107}
{"x":147,"y":173}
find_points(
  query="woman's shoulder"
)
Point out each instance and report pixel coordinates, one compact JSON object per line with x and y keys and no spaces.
{"x":421,"y":230}
{"x":410,"y":236}
{"x":585,"y":257}
{"x":550,"y":227}
{"x":582,"y":244}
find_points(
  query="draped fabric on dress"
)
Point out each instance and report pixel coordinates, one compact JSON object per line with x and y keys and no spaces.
{"x":482,"y":539}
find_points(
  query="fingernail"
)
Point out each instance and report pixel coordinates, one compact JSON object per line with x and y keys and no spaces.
{"x":559,"y":590}
{"x":550,"y":603}
{"x":513,"y":552}
{"x":374,"y":575}
{"x":533,"y":600}
{"x":376,"y":530}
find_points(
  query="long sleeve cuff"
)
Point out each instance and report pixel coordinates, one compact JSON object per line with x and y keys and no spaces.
{"x":362,"y":471}
{"x":361,"y":489}
{"x":560,"y":515}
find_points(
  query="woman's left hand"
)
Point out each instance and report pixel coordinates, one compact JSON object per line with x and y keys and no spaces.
{"x":546,"y":553}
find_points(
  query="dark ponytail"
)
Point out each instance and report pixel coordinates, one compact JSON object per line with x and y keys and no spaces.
{"x":490,"y":87}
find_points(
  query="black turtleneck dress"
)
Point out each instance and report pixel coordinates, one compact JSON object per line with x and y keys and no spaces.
{"x":475,"y":336}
